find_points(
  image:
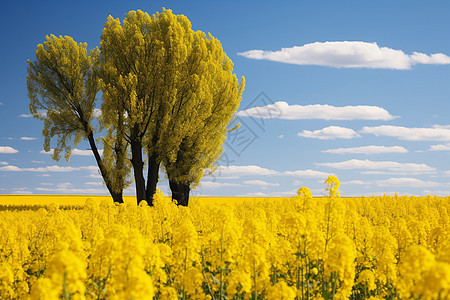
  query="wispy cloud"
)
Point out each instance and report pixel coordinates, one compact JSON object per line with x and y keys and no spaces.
{"x":435,"y":133}
{"x":75,"y":151}
{"x":404,"y":181}
{"x":53,"y":168}
{"x":307,"y":173}
{"x":85,"y":152}
{"x":238,"y":171}
{"x":21,"y":191}
{"x":94,"y":176}
{"x":317,"y":111}
{"x":291,"y":193}
{"x":379,"y":165}
{"x":94,"y":183}
{"x":26,"y":138}
{"x":3,"y":163}
{"x":215,"y":184}
{"x":330,"y":133}
{"x":368,"y":150}
{"x":43,"y":114}
{"x":8,"y":150}
{"x":73,"y":191}
{"x":261,"y":183}
{"x":25,"y":115}
{"x":348,"y":54}
{"x":397,"y":181}
{"x":444,"y":147}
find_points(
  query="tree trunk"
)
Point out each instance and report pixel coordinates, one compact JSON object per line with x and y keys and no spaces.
{"x":180,"y":192}
{"x":117,"y":196}
{"x":152,"y":178}
{"x":138,"y":168}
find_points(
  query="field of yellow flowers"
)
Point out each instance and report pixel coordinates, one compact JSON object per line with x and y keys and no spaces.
{"x":275,"y":248}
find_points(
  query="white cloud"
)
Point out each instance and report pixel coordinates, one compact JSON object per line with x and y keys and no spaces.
{"x":64,"y":185}
{"x":379,"y":165}
{"x":271,"y":194}
{"x":348,"y":54}
{"x":24,"y":191}
{"x":260,"y":183}
{"x":395,"y":182}
{"x":368,"y":150}
{"x":307,"y":173}
{"x":441,"y":126}
{"x":74,"y":191}
{"x":85,"y":152}
{"x":410,"y":182}
{"x":3,"y":163}
{"x":38,"y":161}
{"x":409,"y":134}
{"x":405,"y":173}
{"x":359,"y":182}
{"x":94,"y":183}
{"x":281,"y":136}
{"x":238,"y":171}
{"x":42,"y":114}
{"x":214,"y":185}
{"x":7,"y":149}
{"x":445,"y":147}
{"x":254,"y":194}
{"x":46,"y":183}
{"x":1,"y":103}
{"x":53,"y":168}
{"x":317,"y":111}
{"x":26,"y":138}
{"x":43,"y":175}
{"x":95,"y":176}
{"x":330,"y":133}
{"x":75,"y":152}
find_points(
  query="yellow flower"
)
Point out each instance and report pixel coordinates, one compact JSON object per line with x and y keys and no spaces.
{"x":281,"y":291}
{"x":304,"y":192}
{"x":333,"y":184}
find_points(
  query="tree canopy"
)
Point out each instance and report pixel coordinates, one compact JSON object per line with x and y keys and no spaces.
{"x":168,"y":95}
{"x":62,"y":86}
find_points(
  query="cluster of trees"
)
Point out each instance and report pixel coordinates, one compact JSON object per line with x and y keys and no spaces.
{"x":168,"y":94}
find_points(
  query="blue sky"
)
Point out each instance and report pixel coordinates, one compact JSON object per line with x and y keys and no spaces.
{"x":351,"y":88}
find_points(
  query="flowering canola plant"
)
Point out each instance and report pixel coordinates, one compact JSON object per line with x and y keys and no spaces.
{"x":269,"y":248}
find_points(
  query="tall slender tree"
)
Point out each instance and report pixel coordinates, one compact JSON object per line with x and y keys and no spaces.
{"x":139,"y":62}
{"x":168,"y":84}
{"x":62,"y":86}
{"x":201,"y":143}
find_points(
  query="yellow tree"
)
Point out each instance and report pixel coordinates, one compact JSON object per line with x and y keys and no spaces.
{"x":161,"y":82}
{"x":62,"y":87}
{"x":200,"y":128}
{"x":139,"y":62}
{"x":144,"y":67}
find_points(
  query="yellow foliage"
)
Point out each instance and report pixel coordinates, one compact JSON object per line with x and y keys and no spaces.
{"x":272,"y":248}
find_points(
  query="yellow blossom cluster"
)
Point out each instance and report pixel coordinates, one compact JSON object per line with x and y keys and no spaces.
{"x":267,"y":248}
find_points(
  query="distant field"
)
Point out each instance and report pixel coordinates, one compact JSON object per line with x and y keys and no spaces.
{"x":71,"y":200}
